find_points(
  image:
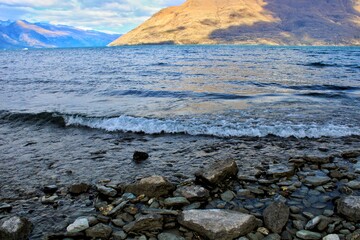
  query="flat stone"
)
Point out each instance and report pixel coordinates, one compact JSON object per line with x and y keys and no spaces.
{"x":354,"y":185}
{"x":4,"y":207}
{"x":276,"y":216}
{"x":176,"y":202}
{"x":160,"y":211}
{"x":154,"y":186}
{"x":317,"y":180}
{"x":312,"y":223}
{"x":100,"y":230}
{"x":119,"y":235}
{"x":192,"y":193}
{"x":331,"y":237}
{"x":107,"y":191}
{"x":273,"y":236}
{"x":218,"y":224}
{"x":227,"y":196}
{"x":153,"y":222}
{"x":169,"y":236}
{"x":49,"y":200}
{"x":15,"y":228}
{"x":351,"y":154}
{"x":349,"y":207}
{"x":217,"y":172}
{"x":308,"y":235}
{"x":79,"y":225}
{"x":281,"y":170}
{"x":317,"y":159}
{"x":79,"y":188}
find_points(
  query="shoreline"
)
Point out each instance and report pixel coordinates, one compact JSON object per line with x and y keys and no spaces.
{"x":175,"y":157}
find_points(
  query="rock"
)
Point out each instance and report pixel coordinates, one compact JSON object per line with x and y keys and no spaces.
{"x":169,"y":236}
{"x":160,"y":211}
{"x":49,"y":200}
{"x":351,"y":154}
{"x":218,"y":224}
{"x":276,"y":216}
{"x":317,"y":159}
{"x":331,"y":237}
{"x":51,"y":189}
{"x":107,"y":191}
{"x":217,"y":172}
{"x":153,"y":222}
{"x":317,"y":180}
{"x":312,"y":223}
{"x":308,"y":235}
{"x":119,"y":235}
{"x":5,"y":207}
{"x":154,"y":186}
{"x":140,"y":156}
{"x":281,"y":170}
{"x":349,"y":207}
{"x":273,"y":236}
{"x":79,"y":188}
{"x":100,"y":230}
{"x":227,"y":196}
{"x":79,"y":225}
{"x":176,"y":202}
{"x":354,"y":185}
{"x":192,"y":193}
{"x":15,"y":228}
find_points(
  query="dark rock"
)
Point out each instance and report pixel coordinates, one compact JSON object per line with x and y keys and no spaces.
{"x":51,"y":189}
{"x":15,"y":228}
{"x":100,"y":230}
{"x":217,"y":172}
{"x":276,"y":216}
{"x":273,"y":236}
{"x":160,"y":211}
{"x":317,"y":180}
{"x":351,"y":154}
{"x":154,"y":186}
{"x":308,"y":235}
{"x":192,"y":193}
{"x":169,"y":236}
{"x":140,"y":156}
{"x":5,"y":207}
{"x":176,"y":202}
{"x":79,"y":188}
{"x":119,"y":235}
{"x":150,"y":222}
{"x":318,"y":159}
{"x":349,"y":207}
{"x":218,"y":224}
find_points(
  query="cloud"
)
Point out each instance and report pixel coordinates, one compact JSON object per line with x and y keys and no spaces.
{"x":105,"y":15}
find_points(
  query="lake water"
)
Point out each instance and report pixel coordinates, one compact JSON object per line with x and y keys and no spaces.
{"x":225,"y":91}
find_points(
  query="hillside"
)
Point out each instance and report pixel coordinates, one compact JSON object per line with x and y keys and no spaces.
{"x":22,"y":34}
{"x":275,"y":22}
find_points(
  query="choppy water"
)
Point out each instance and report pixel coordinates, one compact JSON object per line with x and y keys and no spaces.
{"x":198,"y":90}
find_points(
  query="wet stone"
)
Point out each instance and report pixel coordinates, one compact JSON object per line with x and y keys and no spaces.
{"x":140,"y":156}
{"x":169,"y":236}
{"x":312,"y":223}
{"x":317,"y":180}
{"x":349,"y":207}
{"x":153,"y":222}
{"x":107,"y":191}
{"x":154,"y":186}
{"x":281,"y":170}
{"x":217,"y":172}
{"x":308,"y":235}
{"x":317,"y":159}
{"x":354,"y":185}
{"x":119,"y":235}
{"x":50,"y":189}
{"x":15,"y":228}
{"x":276,"y":216}
{"x":79,"y":225}
{"x":227,"y":196}
{"x":331,"y":237}
{"x":100,"y":230}
{"x":223,"y":224}
{"x":176,"y":202}
{"x":79,"y":188}
{"x":192,"y":193}
{"x":273,"y":236}
{"x":4,"y":207}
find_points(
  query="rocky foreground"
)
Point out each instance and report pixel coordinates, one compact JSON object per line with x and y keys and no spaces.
{"x":310,"y":197}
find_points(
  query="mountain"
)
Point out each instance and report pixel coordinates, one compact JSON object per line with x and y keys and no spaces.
{"x":22,"y":34}
{"x":275,"y":22}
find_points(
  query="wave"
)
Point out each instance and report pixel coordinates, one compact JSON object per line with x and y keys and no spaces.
{"x":193,"y":126}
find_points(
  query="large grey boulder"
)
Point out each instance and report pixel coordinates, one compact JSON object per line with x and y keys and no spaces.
{"x":276,"y":216}
{"x":218,"y":224}
{"x":349,"y":207}
{"x":154,"y":186}
{"x":217,"y":172}
{"x":15,"y":228}
{"x":151,"y":222}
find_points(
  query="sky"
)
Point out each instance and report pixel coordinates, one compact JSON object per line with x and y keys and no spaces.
{"x":114,"y":16}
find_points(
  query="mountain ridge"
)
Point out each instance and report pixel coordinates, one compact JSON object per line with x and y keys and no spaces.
{"x":23,"y":34}
{"x":273,"y":22}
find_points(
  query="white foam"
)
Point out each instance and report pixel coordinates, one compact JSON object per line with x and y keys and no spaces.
{"x":221,"y":128}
